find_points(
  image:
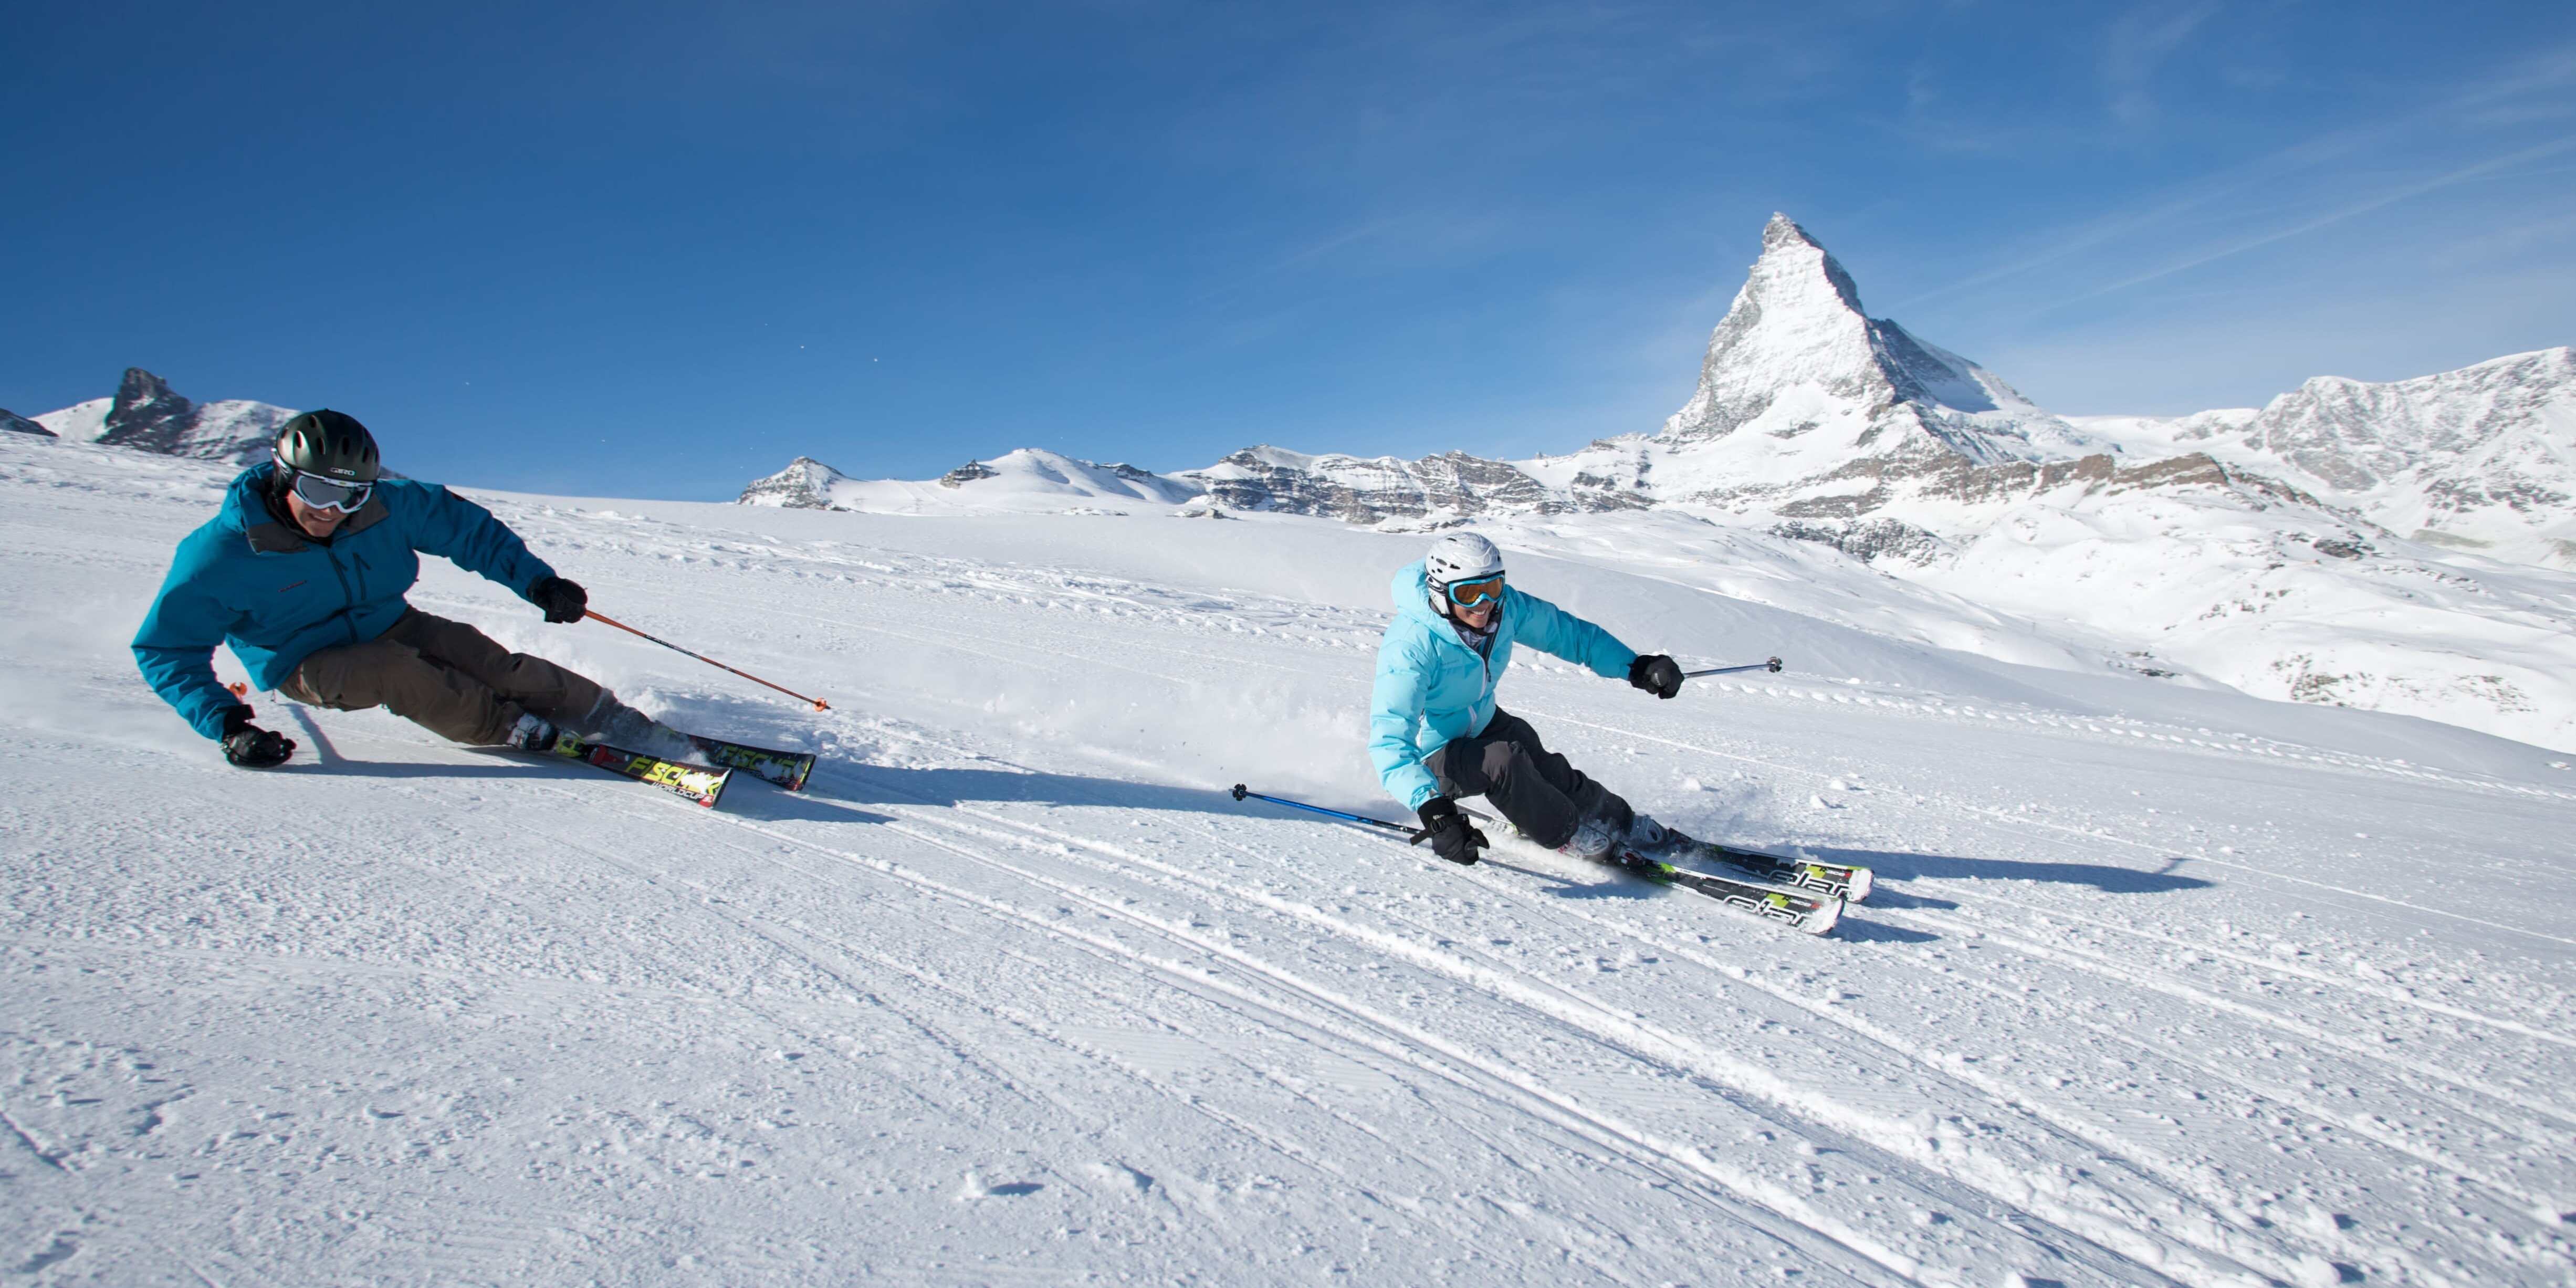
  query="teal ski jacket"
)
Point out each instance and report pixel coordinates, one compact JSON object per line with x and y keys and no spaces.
{"x":248,"y":580}
{"x":1433,"y":686}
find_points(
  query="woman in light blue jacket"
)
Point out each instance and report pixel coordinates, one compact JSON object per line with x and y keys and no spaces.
{"x":1436,"y":735}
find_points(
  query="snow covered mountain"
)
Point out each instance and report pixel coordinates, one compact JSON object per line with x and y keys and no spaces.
{"x":806,"y":484}
{"x":1029,"y":480}
{"x":12,"y":422}
{"x":2483,"y":458}
{"x":1386,"y":489}
{"x":147,"y":415}
{"x":1808,"y":407}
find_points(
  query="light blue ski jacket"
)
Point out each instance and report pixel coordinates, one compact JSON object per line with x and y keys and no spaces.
{"x":247,"y":580}
{"x":1432,"y":686}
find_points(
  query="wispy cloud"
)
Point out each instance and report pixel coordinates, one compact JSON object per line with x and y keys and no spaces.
{"x":2532,"y":89}
{"x":1291,"y":260}
{"x":2140,"y":42}
{"x":2389,"y":198}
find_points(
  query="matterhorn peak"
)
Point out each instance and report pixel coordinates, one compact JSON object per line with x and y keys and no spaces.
{"x":1796,"y":354}
{"x":1795,"y":259}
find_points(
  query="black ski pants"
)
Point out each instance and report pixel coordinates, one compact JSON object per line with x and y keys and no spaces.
{"x":1535,"y":788}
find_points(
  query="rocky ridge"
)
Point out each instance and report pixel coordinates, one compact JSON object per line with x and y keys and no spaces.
{"x":147,"y":415}
{"x":1381,"y":489}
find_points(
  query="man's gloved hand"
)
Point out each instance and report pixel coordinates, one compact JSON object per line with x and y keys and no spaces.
{"x":1447,"y":830}
{"x":564,"y":601}
{"x":251,"y":747}
{"x":1656,"y":674}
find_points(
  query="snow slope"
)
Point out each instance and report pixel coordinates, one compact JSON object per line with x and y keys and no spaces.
{"x":81,"y":422}
{"x":2166,"y":985}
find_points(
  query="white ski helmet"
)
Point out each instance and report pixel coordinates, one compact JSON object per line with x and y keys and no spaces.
{"x":1461,"y":556}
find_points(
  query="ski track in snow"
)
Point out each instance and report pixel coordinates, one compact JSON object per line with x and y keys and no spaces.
{"x":1016,"y":993}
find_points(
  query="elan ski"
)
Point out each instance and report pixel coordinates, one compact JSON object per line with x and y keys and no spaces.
{"x":700,"y":784}
{"x":1798,"y":909}
{"x":785,"y":768}
{"x":1850,"y":883}
{"x":1807,"y":910}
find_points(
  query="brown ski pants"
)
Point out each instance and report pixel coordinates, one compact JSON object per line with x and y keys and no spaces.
{"x":446,"y":677}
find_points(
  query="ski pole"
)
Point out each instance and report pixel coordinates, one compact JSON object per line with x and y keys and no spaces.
{"x":1411,"y":834}
{"x":1414,"y":834}
{"x":819,"y":704}
{"x":1773,"y":666}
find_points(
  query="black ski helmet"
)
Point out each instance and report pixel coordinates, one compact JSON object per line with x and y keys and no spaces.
{"x":329,"y":443}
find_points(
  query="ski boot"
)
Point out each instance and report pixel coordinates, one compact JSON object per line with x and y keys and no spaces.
{"x":531,"y":732}
{"x":618,"y":725}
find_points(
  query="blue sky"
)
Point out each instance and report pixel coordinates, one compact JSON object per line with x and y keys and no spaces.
{"x":656,"y":249}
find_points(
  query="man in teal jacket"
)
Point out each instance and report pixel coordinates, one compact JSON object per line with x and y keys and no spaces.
{"x":303,"y":572}
{"x":1436,"y":735}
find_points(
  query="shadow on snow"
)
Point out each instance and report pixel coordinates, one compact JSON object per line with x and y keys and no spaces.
{"x":2105,"y":877}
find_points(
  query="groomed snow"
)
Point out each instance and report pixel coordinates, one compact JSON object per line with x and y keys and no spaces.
{"x":2164,"y":984}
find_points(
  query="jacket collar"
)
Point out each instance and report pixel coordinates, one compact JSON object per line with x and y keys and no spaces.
{"x":1412,"y":591}
{"x":246,"y":509}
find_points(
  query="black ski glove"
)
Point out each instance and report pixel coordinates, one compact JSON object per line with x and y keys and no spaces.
{"x":1656,"y":674}
{"x":1450,"y":836}
{"x":251,"y":747}
{"x":564,"y":601}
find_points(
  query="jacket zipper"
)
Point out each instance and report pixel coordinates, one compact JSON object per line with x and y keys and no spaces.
{"x":348,"y":597}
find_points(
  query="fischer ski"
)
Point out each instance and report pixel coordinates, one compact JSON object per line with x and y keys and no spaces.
{"x":785,"y":768}
{"x":700,"y":784}
{"x":1803,"y":910}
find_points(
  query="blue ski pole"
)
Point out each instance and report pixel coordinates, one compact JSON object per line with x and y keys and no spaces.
{"x":1772,"y":666}
{"x":1412,"y":834}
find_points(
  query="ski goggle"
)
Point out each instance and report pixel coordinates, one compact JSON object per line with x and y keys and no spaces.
{"x":328,"y":493}
{"x":1468,"y":594}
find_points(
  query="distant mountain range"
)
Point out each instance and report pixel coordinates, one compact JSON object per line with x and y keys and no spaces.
{"x":2483,"y":458}
{"x":1846,"y":429}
